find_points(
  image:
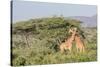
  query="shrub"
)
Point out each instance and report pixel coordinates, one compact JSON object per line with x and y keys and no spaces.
{"x":19,"y":61}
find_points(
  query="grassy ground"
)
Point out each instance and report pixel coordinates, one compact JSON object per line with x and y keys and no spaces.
{"x":29,"y":56}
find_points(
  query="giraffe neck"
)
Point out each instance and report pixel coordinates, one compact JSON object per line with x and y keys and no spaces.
{"x":73,"y":35}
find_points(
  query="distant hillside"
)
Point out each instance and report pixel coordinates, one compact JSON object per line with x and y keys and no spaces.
{"x":87,"y":21}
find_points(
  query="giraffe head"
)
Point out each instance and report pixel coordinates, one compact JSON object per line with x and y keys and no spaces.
{"x":73,"y":29}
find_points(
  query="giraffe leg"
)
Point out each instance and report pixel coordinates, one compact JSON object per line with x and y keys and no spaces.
{"x":77,"y":49}
{"x":70,"y":50}
{"x":61,"y":49}
{"x":80,"y":50}
{"x":83,"y":50}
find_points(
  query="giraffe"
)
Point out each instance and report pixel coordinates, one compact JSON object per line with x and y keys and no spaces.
{"x":79,"y":43}
{"x":68,"y":43}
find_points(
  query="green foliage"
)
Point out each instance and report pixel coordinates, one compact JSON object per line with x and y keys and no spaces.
{"x":37,"y":41}
{"x":19,"y":61}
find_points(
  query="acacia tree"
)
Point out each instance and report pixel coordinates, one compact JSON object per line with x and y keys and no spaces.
{"x":24,"y":29}
{"x":43,"y":27}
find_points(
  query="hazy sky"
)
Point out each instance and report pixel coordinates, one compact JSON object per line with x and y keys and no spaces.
{"x":24,"y":10}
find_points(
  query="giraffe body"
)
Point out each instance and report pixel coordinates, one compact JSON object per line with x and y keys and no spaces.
{"x":79,"y":44}
{"x":68,"y":43}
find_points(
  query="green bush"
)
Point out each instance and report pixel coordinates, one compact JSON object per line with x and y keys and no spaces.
{"x":37,"y":41}
{"x":19,"y":61}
